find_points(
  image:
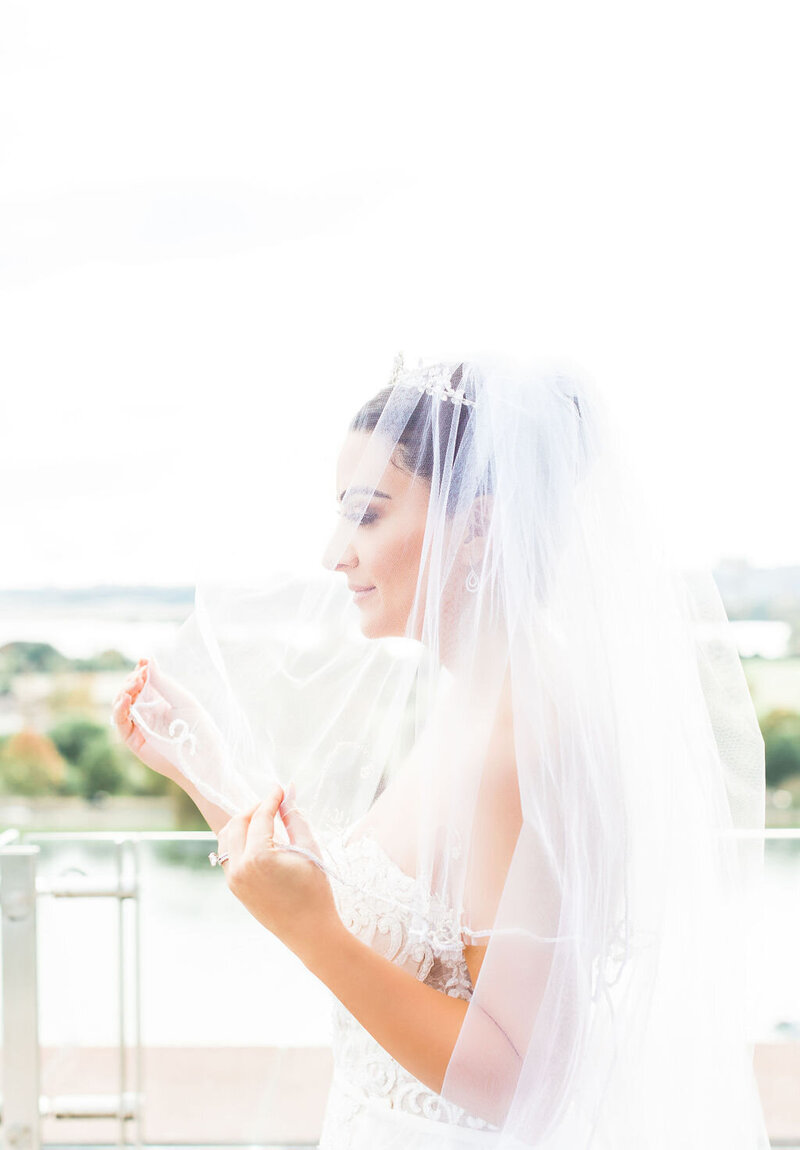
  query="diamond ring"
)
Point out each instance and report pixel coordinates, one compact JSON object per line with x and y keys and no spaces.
{"x":218,"y":860}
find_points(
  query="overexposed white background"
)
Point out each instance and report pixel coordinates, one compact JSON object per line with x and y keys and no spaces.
{"x":219,"y":222}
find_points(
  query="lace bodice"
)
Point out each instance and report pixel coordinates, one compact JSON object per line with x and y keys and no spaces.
{"x":392,"y":913}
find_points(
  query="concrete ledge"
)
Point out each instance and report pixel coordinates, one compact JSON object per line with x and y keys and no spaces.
{"x":221,"y":1096}
{"x":263,"y":1096}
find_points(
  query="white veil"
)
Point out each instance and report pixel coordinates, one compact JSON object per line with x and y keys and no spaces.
{"x":563,"y":736}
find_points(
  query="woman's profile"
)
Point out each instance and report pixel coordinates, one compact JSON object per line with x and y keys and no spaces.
{"x":483,"y":777}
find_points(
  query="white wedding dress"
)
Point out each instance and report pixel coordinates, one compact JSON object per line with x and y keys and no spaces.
{"x":374,"y":1103}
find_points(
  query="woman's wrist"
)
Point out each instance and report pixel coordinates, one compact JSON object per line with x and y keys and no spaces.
{"x":323,"y":952}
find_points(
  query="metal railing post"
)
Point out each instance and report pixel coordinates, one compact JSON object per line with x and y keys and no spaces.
{"x":119,"y":851}
{"x":21,"y":1069}
{"x":128,"y":891}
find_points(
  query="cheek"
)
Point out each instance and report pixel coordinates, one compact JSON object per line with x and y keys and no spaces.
{"x":408,"y":561}
{"x":390,"y":554}
{"x":396,"y":563}
{"x":390,"y":563}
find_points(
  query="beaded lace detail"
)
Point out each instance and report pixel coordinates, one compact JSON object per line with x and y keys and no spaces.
{"x":390,"y":911}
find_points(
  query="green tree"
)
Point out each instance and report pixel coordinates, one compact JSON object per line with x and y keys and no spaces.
{"x":781,"y":731}
{"x":103,"y":770}
{"x":73,"y":735}
{"x":19,"y":657}
{"x":97,"y":764}
{"x":110,"y":660}
{"x":141,"y":780}
{"x":30,"y":764}
{"x":187,"y":816}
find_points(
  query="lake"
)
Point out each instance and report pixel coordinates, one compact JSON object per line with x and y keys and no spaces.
{"x":79,"y":634}
{"x":79,"y":637}
{"x":211,"y":975}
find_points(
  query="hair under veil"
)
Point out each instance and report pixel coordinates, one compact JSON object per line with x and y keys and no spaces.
{"x":564,"y":739}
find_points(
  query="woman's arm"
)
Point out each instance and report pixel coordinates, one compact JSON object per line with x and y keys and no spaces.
{"x":417,"y":1024}
{"x":134,"y":739}
{"x":215,"y":816}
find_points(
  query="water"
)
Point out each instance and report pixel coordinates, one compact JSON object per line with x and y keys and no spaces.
{"x":766,"y":637}
{"x":778,"y":974}
{"x":211,"y":975}
{"x":79,"y":637}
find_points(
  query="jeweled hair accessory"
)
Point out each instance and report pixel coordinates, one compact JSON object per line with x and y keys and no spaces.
{"x":435,"y":380}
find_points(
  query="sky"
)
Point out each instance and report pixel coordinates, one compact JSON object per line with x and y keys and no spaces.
{"x":220,"y":222}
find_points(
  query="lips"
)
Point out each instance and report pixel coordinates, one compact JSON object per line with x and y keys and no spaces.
{"x":360,"y":592}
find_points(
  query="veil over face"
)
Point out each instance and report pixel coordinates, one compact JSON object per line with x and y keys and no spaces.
{"x":500,"y":677}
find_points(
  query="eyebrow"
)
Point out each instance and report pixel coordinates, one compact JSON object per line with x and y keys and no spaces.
{"x":363,"y":491}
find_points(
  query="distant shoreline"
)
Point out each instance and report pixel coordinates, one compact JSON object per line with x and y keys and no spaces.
{"x":102,"y":593}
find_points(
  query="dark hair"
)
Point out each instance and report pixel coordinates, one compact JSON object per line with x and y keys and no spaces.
{"x":422,"y":438}
{"x":416,"y":448}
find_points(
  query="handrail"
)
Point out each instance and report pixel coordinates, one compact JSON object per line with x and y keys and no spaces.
{"x":21,"y":1074}
{"x":23,"y":1107}
{"x":115,"y":836}
{"x":19,"y":893}
{"x":209,"y":836}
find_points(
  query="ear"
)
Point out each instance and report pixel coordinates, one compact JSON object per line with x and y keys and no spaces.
{"x":479,"y":517}
{"x":476,"y":533}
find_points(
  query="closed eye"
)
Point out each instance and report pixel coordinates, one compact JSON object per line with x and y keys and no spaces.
{"x":364,"y":517}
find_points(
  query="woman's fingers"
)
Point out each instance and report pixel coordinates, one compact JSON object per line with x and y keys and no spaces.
{"x":121,"y":707}
{"x":132,"y":685}
{"x":289,"y":800}
{"x":261,"y":830}
{"x":296,"y":823}
{"x":249,"y":835}
{"x":131,"y":689}
{"x":233,"y":836}
{"x":121,"y":716}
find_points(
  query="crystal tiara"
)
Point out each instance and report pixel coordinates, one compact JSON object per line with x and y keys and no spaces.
{"x":435,"y":380}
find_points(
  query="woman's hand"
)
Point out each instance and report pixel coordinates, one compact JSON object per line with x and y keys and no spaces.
{"x":285,"y":891}
{"x":136,"y":740}
{"x":131,"y":735}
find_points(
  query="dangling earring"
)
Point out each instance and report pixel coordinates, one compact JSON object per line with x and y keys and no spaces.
{"x":473,"y":582}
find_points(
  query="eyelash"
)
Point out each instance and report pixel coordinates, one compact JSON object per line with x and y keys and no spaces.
{"x":363,"y":519}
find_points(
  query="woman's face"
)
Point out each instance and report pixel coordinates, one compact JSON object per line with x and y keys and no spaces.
{"x":379,"y":544}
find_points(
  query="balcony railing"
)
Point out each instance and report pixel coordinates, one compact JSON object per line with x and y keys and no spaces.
{"x":33,"y":876}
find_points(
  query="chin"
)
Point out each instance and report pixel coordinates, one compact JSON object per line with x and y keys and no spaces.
{"x":370,"y":624}
{"x":381,"y":628}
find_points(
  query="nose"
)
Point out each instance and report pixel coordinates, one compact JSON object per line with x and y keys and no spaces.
{"x":348,"y":561}
{"x":339,"y":555}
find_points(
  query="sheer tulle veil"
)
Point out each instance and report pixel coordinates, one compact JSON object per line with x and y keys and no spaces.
{"x":563,"y":731}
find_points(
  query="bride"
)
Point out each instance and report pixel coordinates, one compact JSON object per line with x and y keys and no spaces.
{"x":482,"y":777}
